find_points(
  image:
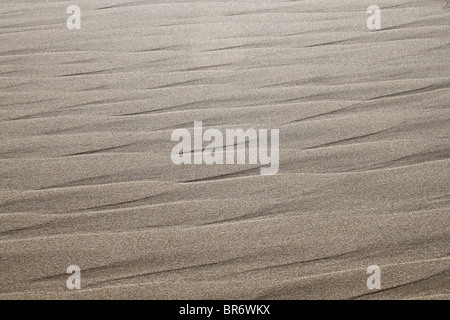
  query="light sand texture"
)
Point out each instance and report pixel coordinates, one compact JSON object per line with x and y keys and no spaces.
{"x":86,"y":177}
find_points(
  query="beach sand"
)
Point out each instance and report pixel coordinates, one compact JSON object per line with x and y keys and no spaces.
{"x":87,"y":179}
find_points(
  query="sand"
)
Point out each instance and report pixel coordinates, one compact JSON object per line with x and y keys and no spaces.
{"x":87,"y":179}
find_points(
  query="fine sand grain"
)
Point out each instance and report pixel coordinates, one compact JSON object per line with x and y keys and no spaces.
{"x":86,"y":120}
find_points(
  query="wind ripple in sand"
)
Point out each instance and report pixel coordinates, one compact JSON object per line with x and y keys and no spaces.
{"x":86,"y":175}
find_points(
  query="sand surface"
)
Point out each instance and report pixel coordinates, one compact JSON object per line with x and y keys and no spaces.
{"x":86,"y":176}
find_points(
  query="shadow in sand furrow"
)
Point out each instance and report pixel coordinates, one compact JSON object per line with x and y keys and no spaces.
{"x":443,"y":275}
{"x":417,"y":158}
{"x":16,"y":72}
{"x":178,"y":47}
{"x":414,"y":91}
{"x":80,"y":61}
{"x":61,"y":275}
{"x":39,"y":115}
{"x":224,"y":147}
{"x":297,"y":263}
{"x":252,"y":12}
{"x":426,"y":124}
{"x":88,"y":73}
{"x":358,"y":40}
{"x":18,"y":230}
{"x":97,"y":150}
{"x":19,"y":52}
{"x":265,"y":212}
{"x":352,"y":139}
{"x":243,"y":173}
{"x":30,"y":28}
{"x":242,"y":46}
{"x":323,"y":96}
{"x":184,"y":125}
{"x":197,"y":266}
{"x":418,"y":24}
{"x":178,"y":84}
{"x":124,"y":98}
{"x":65,"y":130}
{"x":296,"y":83}
{"x":139,"y":219}
{"x":75,"y":183}
{"x":179,"y":107}
{"x":119,"y":204}
{"x":125,"y":69}
{"x":95,"y":89}
{"x":159,"y":110}
{"x":214,"y":66}
{"x":330,"y":43}
{"x":444,"y":46}
{"x":123,"y":5}
{"x":16,"y":86}
{"x":333,"y":112}
{"x":29,"y":103}
{"x":403,"y":5}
